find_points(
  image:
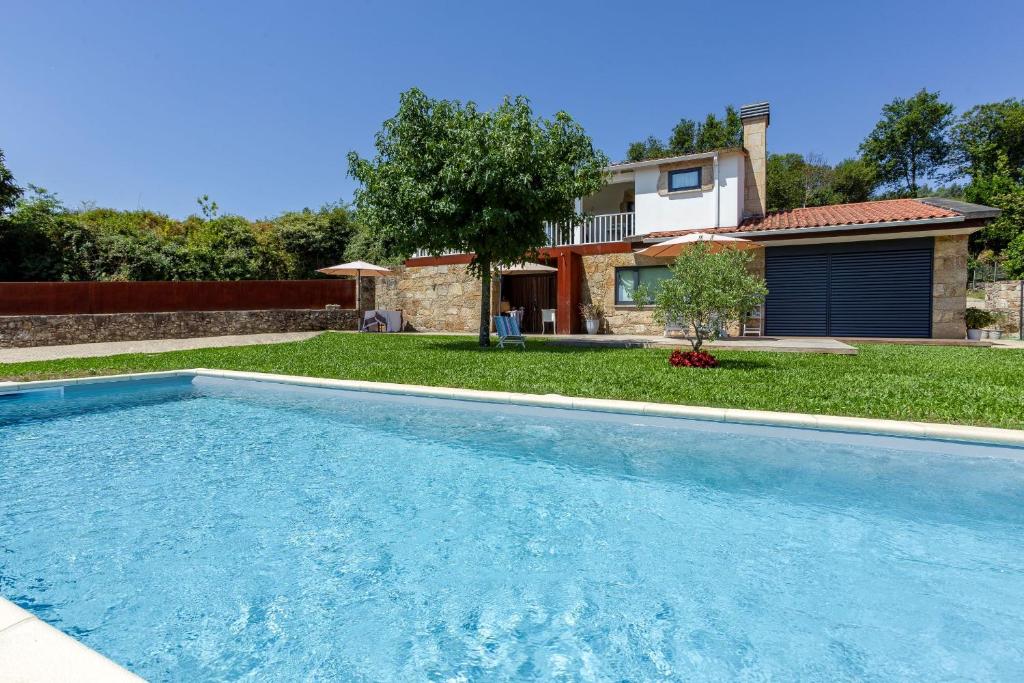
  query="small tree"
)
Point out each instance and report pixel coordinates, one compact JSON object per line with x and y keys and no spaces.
{"x":705,"y":291}
{"x":448,"y":176}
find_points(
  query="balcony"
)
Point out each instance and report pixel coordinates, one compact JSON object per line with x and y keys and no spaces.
{"x":605,"y":227}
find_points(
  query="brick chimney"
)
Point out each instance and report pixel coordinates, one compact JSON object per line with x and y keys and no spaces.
{"x":755,"y":127}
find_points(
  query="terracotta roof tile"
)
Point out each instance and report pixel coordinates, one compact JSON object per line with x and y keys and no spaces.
{"x":884,"y":211}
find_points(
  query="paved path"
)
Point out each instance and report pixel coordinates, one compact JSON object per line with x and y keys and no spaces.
{"x":33,"y":353}
{"x":783,"y":345}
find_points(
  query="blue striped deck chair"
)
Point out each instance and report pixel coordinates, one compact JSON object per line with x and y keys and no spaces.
{"x":508,"y":332}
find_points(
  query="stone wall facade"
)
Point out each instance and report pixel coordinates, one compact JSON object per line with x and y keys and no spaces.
{"x":949,"y":287}
{"x":443,"y":298}
{"x":599,"y":286}
{"x":446,"y":298}
{"x":48,"y":330}
{"x":1003,"y":298}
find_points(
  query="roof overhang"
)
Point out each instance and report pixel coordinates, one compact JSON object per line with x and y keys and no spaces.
{"x":945,"y":225}
{"x":867,"y":236}
{"x":966,"y":209}
{"x":647,"y":163}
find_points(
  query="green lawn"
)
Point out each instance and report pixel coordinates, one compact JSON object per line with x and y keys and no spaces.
{"x":930,"y":383}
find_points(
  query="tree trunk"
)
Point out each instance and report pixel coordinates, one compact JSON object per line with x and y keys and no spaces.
{"x":485,"y":302}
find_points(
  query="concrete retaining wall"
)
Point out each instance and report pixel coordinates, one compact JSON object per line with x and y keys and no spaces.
{"x":49,"y":330}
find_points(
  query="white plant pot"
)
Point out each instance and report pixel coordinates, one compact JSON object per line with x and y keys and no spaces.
{"x":995,"y":334}
{"x":984,"y":334}
{"x":974,"y":335}
{"x":593,"y":326}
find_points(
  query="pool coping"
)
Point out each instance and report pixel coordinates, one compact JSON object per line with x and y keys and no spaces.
{"x":32,"y":650}
{"x":861,"y":425}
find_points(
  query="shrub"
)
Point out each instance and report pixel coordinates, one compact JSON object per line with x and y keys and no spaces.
{"x":692,"y":359}
{"x":978,"y":319}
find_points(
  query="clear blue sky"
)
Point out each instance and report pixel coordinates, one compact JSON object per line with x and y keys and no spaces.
{"x":149,"y":104}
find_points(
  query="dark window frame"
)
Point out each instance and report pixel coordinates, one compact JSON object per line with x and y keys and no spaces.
{"x":700,"y":179}
{"x":636,"y":282}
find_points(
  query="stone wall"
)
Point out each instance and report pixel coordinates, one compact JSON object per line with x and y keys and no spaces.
{"x":1003,"y":297}
{"x":949,"y":287}
{"x":442,"y":298}
{"x":599,"y":285}
{"x":48,"y":330}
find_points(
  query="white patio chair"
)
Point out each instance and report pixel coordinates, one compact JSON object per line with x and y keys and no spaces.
{"x":547,"y":315}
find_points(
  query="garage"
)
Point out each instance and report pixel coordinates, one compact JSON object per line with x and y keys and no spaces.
{"x":850,"y":289}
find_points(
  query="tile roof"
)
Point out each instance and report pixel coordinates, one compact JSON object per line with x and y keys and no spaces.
{"x":883,"y":211}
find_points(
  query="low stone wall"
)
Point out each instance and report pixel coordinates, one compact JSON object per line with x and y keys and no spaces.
{"x":49,"y":330}
{"x":1002,"y":297}
{"x":442,"y":298}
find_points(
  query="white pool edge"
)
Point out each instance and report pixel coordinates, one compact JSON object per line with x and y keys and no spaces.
{"x":31,"y":650}
{"x":860,"y":425}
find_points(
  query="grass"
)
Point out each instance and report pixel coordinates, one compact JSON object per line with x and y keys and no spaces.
{"x":928,"y":383}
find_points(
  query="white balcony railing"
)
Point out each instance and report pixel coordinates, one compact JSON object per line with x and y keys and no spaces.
{"x":604,"y":227}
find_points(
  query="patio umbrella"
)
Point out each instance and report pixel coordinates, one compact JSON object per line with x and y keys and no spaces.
{"x":677,"y":245}
{"x":357,"y":269}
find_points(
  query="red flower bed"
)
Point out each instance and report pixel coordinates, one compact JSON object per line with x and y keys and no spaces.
{"x":692,"y":359}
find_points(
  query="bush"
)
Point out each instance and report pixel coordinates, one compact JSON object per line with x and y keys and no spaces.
{"x":978,"y":319}
{"x":692,"y":359}
{"x":43,"y":240}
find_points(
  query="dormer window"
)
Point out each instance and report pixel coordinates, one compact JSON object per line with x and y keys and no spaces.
{"x":684,"y":179}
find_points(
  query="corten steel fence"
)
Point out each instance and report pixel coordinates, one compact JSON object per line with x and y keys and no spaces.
{"x":62,"y":298}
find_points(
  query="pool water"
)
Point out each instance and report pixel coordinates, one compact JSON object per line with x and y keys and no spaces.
{"x":226,"y":530}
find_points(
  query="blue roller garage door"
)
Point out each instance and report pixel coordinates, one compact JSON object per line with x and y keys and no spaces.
{"x":855,"y":289}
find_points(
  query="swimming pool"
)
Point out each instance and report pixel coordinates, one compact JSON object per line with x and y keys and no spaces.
{"x":198,"y":529}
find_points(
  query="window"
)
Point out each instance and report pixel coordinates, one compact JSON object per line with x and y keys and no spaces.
{"x":684,"y":179}
{"x":628,"y":279}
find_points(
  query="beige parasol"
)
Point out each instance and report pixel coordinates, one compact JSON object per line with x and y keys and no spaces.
{"x":677,"y":245}
{"x":356,"y":269}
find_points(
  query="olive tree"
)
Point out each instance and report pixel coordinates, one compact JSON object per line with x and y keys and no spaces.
{"x":705,"y":291}
{"x":448,"y":176}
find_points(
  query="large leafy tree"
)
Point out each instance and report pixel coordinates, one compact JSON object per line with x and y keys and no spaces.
{"x":314,"y":239}
{"x":795,"y":180}
{"x":853,"y":180}
{"x":911,"y":141}
{"x":690,"y":137}
{"x":449,"y":176}
{"x":784,"y":188}
{"x":987,"y":132}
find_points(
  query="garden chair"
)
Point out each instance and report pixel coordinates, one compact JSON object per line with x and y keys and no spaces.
{"x":547,"y":315}
{"x":508,"y":332}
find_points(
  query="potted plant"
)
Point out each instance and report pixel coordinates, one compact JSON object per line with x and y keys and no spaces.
{"x":977,"y":320}
{"x":592,"y":314}
{"x":999,"y":320}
